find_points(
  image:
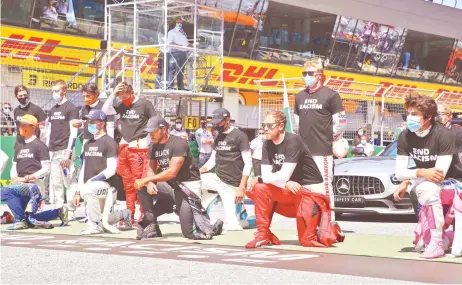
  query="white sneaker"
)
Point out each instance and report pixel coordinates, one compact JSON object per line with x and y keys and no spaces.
{"x":93,"y":228}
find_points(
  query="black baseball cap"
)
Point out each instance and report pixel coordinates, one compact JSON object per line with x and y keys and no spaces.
{"x":155,"y":123}
{"x":96,"y":115}
{"x":219,"y":115}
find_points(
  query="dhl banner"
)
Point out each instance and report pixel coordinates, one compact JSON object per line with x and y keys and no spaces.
{"x":237,"y":72}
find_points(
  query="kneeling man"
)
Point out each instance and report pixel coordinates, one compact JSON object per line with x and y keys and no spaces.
{"x":292,"y":185}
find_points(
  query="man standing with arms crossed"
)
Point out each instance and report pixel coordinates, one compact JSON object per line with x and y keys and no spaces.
{"x":233,"y":163}
{"x":61,"y":136}
{"x":204,"y":139}
{"x":133,"y":147}
{"x":321,"y":117}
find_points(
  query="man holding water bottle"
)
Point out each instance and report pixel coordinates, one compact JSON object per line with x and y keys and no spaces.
{"x":61,"y":137}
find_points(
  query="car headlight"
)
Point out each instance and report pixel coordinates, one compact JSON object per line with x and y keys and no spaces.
{"x":394,"y":180}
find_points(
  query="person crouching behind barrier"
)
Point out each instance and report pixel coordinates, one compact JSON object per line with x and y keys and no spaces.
{"x":98,"y":167}
{"x":433,"y":150}
{"x":178,"y":183}
{"x":291,"y":185}
{"x":31,"y":162}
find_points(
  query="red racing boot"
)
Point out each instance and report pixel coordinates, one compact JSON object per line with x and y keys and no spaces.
{"x":274,"y":239}
{"x":261,"y":238}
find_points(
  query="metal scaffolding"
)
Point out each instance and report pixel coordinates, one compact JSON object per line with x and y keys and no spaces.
{"x":152,"y":59}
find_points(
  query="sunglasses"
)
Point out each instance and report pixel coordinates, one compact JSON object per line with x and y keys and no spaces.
{"x":310,"y":73}
{"x":268,"y":126}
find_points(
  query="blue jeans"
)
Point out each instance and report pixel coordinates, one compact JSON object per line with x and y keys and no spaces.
{"x":203,"y":158}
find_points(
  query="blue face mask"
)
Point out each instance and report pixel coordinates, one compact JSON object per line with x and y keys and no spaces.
{"x":179,"y":25}
{"x":309,"y":80}
{"x":92,"y":129}
{"x":413,"y":123}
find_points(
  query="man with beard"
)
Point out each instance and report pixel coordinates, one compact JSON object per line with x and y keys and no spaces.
{"x":177,"y":183}
{"x":321,"y":117}
{"x":133,"y":147}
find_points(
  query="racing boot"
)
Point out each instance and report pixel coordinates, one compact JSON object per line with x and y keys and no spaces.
{"x":274,"y":239}
{"x":218,"y":227}
{"x":122,"y":218}
{"x":435,"y":247}
{"x":151,"y":231}
{"x":18,"y":225}
{"x":63,"y":215}
{"x":93,"y":228}
{"x":261,"y":239}
{"x":6,"y":218}
{"x":338,"y":232}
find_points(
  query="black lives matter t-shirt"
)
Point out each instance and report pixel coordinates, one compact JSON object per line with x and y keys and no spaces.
{"x":315,"y":118}
{"x":134,"y":118}
{"x":95,"y":153}
{"x":292,"y":150}
{"x":28,"y":157}
{"x":86,"y":135}
{"x":30,"y":109}
{"x":229,"y":162}
{"x":59,"y":117}
{"x":176,"y":147}
{"x":425,"y":151}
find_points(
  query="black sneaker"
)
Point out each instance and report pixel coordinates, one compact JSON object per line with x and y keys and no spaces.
{"x":151,"y":231}
{"x":218,"y":227}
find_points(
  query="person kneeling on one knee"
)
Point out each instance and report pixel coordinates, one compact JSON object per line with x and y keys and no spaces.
{"x":433,"y":150}
{"x":31,"y":162}
{"x":292,"y":185}
{"x":99,"y":164}
{"x":177,"y":183}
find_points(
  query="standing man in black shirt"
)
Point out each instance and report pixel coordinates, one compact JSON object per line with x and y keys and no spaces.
{"x":432,"y":147}
{"x":26,"y":107}
{"x":99,"y":164}
{"x":290,"y":178}
{"x":177,"y":182}
{"x":233,"y":161}
{"x":133,"y":147}
{"x":61,"y":136}
{"x":322,"y":120}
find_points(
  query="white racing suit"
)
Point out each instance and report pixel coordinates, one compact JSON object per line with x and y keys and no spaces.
{"x":236,"y":214}
{"x":430,"y":234}
{"x":99,"y":198}
{"x":325,"y":165}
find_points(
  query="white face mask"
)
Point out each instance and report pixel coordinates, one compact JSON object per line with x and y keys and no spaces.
{"x":57,"y":96}
{"x":6,"y":110}
{"x":178,"y":126}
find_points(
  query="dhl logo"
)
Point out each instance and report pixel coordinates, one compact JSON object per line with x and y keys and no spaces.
{"x":238,"y":73}
{"x":20,"y":51}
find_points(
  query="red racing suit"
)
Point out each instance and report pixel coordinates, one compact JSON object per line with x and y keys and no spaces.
{"x":132,"y":165}
{"x":311,"y":210}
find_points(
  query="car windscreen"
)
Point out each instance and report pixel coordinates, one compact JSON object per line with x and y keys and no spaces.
{"x":390,"y":150}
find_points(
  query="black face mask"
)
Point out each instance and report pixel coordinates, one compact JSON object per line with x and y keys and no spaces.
{"x":23,"y":101}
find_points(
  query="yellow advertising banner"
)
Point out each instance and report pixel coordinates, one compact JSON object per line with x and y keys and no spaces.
{"x":237,"y":72}
{"x":43,"y":80}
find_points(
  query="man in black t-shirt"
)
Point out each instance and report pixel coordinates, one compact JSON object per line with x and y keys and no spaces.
{"x":61,"y":137}
{"x":177,"y":182}
{"x":99,"y":164}
{"x":290,"y":178}
{"x":31,"y":163}
{"x":432,"y":147}
{"x":133,"y":147}
{"x":232,"y":160}
{"x":321,"y":119}
{"x":26,"y":107}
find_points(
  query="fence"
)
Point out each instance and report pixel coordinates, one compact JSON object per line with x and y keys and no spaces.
{"x":371,"y":106}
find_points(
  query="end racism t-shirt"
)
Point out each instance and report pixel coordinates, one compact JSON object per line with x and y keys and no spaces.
{"x":28,"y":157}
{"x":425,"y":151}
{"x":95,"y":154}
{"x":59,"y":117}
{"x":292,"y":150}
{"x":30,"y":109}
{"x":176,"y":147}
{"x":315,"y":113}
{"x":229,"y":162}
{"x":134,"y":118}
{"x":86,"y":135}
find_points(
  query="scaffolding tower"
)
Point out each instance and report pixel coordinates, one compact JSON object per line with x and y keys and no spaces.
{"x":144,"y":47}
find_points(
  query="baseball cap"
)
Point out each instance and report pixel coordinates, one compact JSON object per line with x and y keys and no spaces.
{"x":96,"y":115}
{"x":156,"y":122}
{"x":29,"y":120}
{"x":219,"y":115}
